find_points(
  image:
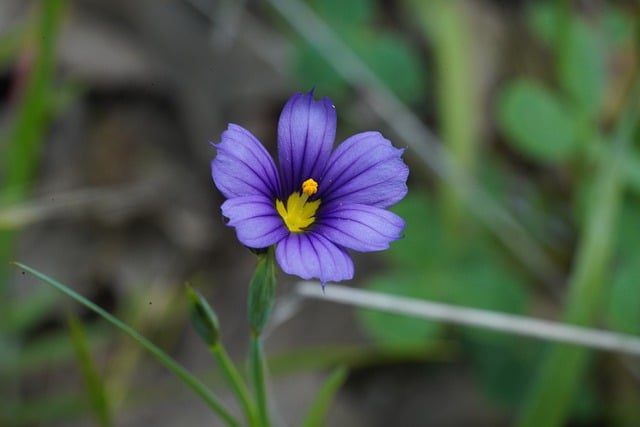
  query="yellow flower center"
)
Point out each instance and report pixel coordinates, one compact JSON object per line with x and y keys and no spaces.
{"x":299,"y":213}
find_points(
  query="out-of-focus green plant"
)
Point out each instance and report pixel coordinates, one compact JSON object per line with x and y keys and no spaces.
{"x":93,"y":382}
{"x":392,"y":58}
{"x":33,"y":44}
{"x":430,"y":265}
{"x":557,"y":125}
{"x":446,"y":25}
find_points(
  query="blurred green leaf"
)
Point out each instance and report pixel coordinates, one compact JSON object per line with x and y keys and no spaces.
{"x":582,"y":69}
{"x":581,"y":66}
{"x":393,"y":331}
{"x":483,"y":282}
{"x":423,"y":238}
{"x":536,"y":122}
{"x":433,"y":267}
{"x":472,"y":274}
{"x":344,"y":16}
{"x":390,"y":57}
{"x":312,"y":70}
{"x":502,"y":365}
{"x":395,"y":63}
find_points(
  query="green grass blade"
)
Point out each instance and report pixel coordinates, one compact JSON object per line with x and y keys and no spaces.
{"x":444,"y":23}
{"x":185,"y":376}
{"x":318,"y":410}
{"x":19,"y":150}
{"x":26,"y":135}
{"x":93,"y":382}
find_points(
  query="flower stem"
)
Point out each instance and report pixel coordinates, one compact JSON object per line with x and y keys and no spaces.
{"x":235,"y":381}
{"x":257,"y":368}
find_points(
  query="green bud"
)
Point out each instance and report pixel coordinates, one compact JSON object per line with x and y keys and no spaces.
{"x":203,"y":317}
{"x":262,"y":291}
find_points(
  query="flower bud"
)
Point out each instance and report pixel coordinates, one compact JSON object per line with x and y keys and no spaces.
{"x":262,"y":292}
{"x":203,"y":317}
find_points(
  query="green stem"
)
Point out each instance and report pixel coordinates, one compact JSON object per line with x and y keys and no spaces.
{"x":318,"y":411}
{"x":234,"y":379}
{"x":185,"y":376}
{"x":444,"y":22}
{"x":257,"y":368}
{"x":551,"y":398}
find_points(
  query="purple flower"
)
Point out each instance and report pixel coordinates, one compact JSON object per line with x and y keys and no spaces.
{"x":320,"y":202}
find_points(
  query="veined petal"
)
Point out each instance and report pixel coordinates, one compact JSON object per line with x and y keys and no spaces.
{"x":243,"y":167}
{"x":365,"y":169}
{"x":310,"y":255}
{"x":359,"y":227}
{"x":306,"y":132}
{"x":255,"y":219}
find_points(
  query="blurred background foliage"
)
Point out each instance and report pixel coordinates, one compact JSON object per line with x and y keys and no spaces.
{"x":106,"y":109}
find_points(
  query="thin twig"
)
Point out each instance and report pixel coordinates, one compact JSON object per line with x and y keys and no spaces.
{"x":502,"y":322}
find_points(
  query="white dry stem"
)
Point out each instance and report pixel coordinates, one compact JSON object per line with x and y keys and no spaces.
{"x":502,"y":322}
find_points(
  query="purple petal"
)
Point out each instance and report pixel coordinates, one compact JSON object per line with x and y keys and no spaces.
{"x":309,"y":255}
{"x":365,"y":169}
{"x":359,"y":227}
{"x":257,"y":223}
{"x":306,"y":132}
{"x":243,"y":167}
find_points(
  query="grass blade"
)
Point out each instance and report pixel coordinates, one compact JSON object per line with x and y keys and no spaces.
{"x":318,"y":410}
{"x":185,"y":376}
{"x":93,"y":382}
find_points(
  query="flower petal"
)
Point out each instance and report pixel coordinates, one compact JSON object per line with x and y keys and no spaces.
{"x":306,"y":132}
{"x":255,"y":219}
{"x":310,"y":255}
{"x":359,"y":227}
{"x":365,"y":169}
{"x":243,"y":167}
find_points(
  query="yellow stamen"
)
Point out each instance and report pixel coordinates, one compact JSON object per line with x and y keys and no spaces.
{"x":310,"y":187}
{"x":299,"y":213}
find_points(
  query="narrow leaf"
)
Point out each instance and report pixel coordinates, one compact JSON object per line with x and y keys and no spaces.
{"x":318,"y":410}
